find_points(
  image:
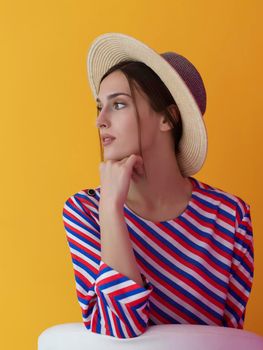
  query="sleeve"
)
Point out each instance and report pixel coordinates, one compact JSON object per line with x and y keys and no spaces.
{"x":241,"y":274}
{"x":111,"y":303}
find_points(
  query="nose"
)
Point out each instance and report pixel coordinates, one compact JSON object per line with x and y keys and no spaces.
{"x":102,"y":118}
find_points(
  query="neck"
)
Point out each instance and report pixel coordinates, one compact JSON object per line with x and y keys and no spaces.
{"x":162,"y":187}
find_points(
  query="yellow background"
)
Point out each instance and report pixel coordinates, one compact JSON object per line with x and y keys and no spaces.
{"x":49,"y":143}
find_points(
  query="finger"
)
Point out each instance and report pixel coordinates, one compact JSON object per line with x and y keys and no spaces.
{"x":135,"y":163}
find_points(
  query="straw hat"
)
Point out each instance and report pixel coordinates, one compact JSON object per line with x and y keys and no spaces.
{"x":177,"y":73}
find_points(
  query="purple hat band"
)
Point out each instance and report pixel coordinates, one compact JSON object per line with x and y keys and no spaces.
{"x":190,"y":75}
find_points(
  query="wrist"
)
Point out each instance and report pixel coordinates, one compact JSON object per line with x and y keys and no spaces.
{"x":110,"y":206}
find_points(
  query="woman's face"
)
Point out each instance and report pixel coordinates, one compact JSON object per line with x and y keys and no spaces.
{"x":117,"y":117}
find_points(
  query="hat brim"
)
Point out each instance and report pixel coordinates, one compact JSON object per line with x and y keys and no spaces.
{"x":110,"y":48}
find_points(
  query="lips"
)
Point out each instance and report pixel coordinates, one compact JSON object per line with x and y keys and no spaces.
{"x":108,"y":140}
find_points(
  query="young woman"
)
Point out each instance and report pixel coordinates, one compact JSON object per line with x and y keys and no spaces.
{"x":152,"y":244}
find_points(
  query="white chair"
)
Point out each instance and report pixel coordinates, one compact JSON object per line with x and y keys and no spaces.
{"x":74,"y":336}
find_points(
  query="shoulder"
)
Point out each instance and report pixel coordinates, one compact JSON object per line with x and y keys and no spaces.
{"x":227,"y":201}
{"x":85,"y":200}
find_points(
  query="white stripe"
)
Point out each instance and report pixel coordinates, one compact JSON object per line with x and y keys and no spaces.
{"x":81,"y":219}
{"x":210,"y":231}
{"x":123,"y":327}
{"x":235,"y":302}
{"x":216,"y":191}
{"x":85,"y":258}
{"x":83,"y":272}
{"x":240,"y":287}
{"x":125,"y":311}
{"x":109,"y":312}
{"x":208,"y":199}
{"x":100,"y":311}
{"x":241,"y":249}
{"x":155,"y":320}
{"x":231,"y":318}
{"x":84,"y":244}
{"x":174,"y":262}
{"x":136,"y":296}
{"x":213,"y":215}
{"x":119,"y":286}
{"x":203,"y":244}
{"x":106,"y":274}
{"x":168,"y":311}
{"x":183,"y":285}
{"x":240,"y":267}
{"x":86,"y":306}
{"x":141,"y":313}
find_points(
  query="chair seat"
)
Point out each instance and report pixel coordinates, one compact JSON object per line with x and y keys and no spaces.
{"x":74,"y":336}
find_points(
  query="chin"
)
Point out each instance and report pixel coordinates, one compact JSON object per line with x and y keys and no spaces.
{"x":117,"y":155}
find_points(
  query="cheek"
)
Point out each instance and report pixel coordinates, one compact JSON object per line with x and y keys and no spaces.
{"x":148,"y":135}
{"x":127,"y":128}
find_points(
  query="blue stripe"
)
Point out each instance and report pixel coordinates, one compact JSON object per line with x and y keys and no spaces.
{"x":87,"y":326}
{"x":78,"y":263}
{"x":183,"y":256}
{"x":195,"y":246}
{"x":84,"y":286}
{"x":239,"y":212}
{"x":85,"y":227}
{"x":182,"y":291}
{"x":237,"y":297}
{"x":107,"y":310}
{"x":215,"y":208}
{"x":126,"y":320}
{"x":160,"y":312}
{"x":219,"y":195}
{"x":120,"y":327}
{"x":136,"y":314}
{"x":209,"y":236}
{"x":119,"y":297}
{"x":246,"y":226}
{"x":243,"y":263}
{"x":81,"y":238}
{"x":80,"y":224}
{"x":178,"y":306}
{"x":215,"y":224}
{"x":88,"y":312}
{"x":81,"y":213}
{"x":84,"y":252}
{"x":232,"y":312}
{"x":241,"y":281}
{"x":88,"y":198}
{"x":243,"y":243}
{"x":118,"y":281}
{"x":207,"y":219}
{"x":98,"y":324}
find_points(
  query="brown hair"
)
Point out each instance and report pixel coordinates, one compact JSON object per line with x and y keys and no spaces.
{"x":158,"y":94}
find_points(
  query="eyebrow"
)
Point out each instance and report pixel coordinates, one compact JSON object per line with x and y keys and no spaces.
{"x":114,"y":95}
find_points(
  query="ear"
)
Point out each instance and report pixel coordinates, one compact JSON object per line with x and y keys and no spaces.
{"x":164,"y":121}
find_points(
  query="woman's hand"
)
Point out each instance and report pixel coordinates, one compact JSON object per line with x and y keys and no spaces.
{"x":116,"y":176}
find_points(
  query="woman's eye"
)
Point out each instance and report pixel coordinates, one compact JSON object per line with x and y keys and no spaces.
{"x":118,"y":103}
{"x":99,"y":108}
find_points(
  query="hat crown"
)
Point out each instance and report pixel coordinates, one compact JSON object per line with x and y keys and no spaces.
{"x":190,"y":75}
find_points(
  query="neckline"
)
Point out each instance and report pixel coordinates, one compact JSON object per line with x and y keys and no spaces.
{"x":194,"y":189}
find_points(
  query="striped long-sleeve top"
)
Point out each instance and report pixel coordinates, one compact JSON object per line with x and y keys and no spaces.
{"x":197,"y":268}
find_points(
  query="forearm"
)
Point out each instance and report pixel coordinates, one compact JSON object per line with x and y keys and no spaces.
{"x":116,"y":247}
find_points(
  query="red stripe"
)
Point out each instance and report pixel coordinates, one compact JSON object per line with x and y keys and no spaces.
{"x":185,"y":263}
{"x":90,"y":252}
{"x":80,"y":233}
